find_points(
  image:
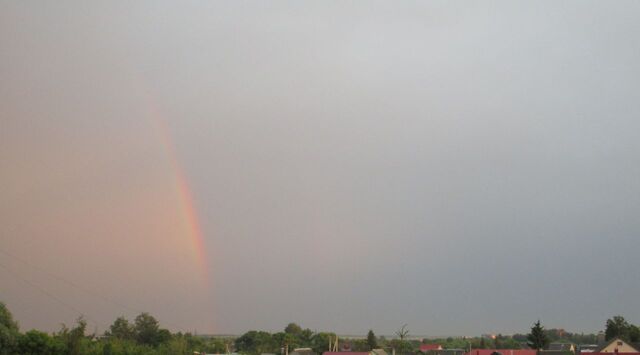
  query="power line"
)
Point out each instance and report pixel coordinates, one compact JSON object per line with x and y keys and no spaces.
{"x":70,"y":283}
{"x":50,"y":295}
{"x":78,"y":287}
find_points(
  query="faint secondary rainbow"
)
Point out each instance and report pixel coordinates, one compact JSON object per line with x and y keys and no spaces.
{"x":187,"y":203}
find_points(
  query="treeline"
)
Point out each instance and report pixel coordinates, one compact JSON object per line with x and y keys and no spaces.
{"x":615,"y":327}
{"x":498,"y":342}
{"x":256,"y":342}
{"x":142,"y":337}
{"x":560,"y":335}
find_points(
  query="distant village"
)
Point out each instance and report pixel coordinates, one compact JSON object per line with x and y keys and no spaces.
{"x":611,"y":347}
{"x":619,"y":337}
{"x":615,"y":346}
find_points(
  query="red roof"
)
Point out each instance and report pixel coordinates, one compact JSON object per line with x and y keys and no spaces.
{"x":503,"y":352}
{"x":427,"y":347}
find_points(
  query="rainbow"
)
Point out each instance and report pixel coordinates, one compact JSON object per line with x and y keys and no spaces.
{"x":187,"y":202}
{"x":186,"y":199}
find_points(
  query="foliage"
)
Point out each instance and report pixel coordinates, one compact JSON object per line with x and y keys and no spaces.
{"x":560,"y":335}
{"x":8,"y":331}
{"x":146,"y":337}
{"x":401,"y":346}
{"x":634,"y":333}
{"x":293,"y":328}
{"x":121,"y":329}
{"x":359,"y":345}
{"x":147,"y":329}
{"x":618,"y":327}
{"x":34,"y":342}
{"x":320,"y":341}
{"x":257,"y":342}
{"x":372,"y":342}
{"x":537,"y":339}
{"x":71,"y":340}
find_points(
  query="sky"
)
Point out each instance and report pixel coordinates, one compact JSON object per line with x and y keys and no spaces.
{"x":460,"y":167}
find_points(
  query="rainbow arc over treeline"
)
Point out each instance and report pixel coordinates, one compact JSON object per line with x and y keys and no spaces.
{"x":187,"y":202}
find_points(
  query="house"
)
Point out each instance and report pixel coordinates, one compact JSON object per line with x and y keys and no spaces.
{"x":430,"y":347}
{"x":618,"y":346}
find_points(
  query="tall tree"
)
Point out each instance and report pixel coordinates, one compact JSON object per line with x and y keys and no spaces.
{"x":537,"y":339}
{"x":320,"y":341}
{"x":121,"y":329}
{"x":371,"y":340}
{"x":258,"y":342}
{"x":634,"y":333}
{"x":71,"y":339}
{"x":146,"y":329}
{"x":402,"y":333}
{"x":617,"y":327}
{"x":293,"y":328}
{"x":402,"y":346}
{"x":8,"y":331}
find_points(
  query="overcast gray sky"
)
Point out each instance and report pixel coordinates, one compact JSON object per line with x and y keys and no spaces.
{"x":462,"y":167}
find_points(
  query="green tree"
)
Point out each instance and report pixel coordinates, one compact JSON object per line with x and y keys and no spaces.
{"x":286,"y":340}
{"x":71,"y":339}
{"x":175,"y":346}
{"x":634,"y":333}
{"x":537,"y":339}
{"x":305,"y":337}
{"x":8,"y":331}
{"x":146,"y":329}
{"x":256,"y":342}
{"x":216,"y":345}
{"x":34,"y":342}
{"x":371,"y":340}
{"x":320,"y":341}
{"x":510,"y":343}
{"x":617,"y":327}
{"x":293,"y":328}
{"x":107,"y":349}
{"x":359,"y":345}
{"x":164,"y":335}
{"x":122,"y":329}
